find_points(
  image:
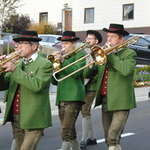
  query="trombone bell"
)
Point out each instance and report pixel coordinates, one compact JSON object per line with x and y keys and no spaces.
{"x":98,"y":55}
{"x":55,"y":62}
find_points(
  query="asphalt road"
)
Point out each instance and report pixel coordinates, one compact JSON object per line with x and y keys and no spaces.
{"x":136,"y":135}
{"x":137,"y":131}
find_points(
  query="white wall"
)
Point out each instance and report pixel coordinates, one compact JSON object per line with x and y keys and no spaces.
{"x":106,"y":12}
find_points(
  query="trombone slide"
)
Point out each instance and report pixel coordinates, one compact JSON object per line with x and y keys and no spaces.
{"x":58,"y":80}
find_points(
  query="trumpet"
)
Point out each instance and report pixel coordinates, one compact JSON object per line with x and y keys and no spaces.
{"x":9,"y":58}
{"x":99,"y":55}
{"x":56,"y":63}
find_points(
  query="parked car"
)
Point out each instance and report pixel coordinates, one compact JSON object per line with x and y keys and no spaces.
{"x":58,"y":45}
{"x":142,"y":48}
{"x":48,"y":39}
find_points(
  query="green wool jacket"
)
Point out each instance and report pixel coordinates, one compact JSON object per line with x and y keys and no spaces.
{"x":72,"y":88}
{"x":35,"y":111}
{"x":120,"y":88}
{"x":41,"y":54}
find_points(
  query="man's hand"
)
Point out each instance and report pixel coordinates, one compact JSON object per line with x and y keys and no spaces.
{"x":9,"y":66}
{"x":59,"y":57}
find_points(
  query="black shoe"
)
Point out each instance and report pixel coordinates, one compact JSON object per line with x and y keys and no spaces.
{"x":83,"y":145}
{"x":91,"y":142}
{"x":43,"y":133}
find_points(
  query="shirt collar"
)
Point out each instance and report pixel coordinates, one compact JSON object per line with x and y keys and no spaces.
{"x":34,"y":56}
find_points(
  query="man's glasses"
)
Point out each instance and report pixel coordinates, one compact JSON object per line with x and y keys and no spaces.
{"x":90,"y":38}
{"x":23,"y":43}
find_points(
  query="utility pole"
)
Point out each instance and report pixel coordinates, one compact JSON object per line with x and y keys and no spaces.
{"x":1,"y":42}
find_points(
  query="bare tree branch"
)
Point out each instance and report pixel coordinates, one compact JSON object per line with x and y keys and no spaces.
{"x":8,"y":8}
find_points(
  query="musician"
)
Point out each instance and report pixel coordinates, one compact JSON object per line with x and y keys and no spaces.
{"x":27,"y":84}
{"x":70,"y":92}
{"x":115,"y":90}
{"x":88,"y":136}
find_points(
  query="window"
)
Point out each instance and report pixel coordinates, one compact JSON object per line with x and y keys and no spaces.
{"x":128,"y":11}
{"x":51,"y":39}
{"x":44,"y":17}
{"x":44,"y":38}
{"x":89,"y":15}
{"x":142,"y":42}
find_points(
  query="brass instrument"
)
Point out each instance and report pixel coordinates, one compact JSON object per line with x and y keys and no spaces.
{"x":107,"y":45}
{"x":56,"y":63}
{"x":9,"y":58}
{"x":99,"y":55}
{"x":102,"y":58}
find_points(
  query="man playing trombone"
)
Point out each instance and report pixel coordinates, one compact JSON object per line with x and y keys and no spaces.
{"x":70,"y":91}
{"x":115,"y":90}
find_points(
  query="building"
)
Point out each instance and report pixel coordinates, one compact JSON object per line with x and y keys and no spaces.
{"x":82,"y":15}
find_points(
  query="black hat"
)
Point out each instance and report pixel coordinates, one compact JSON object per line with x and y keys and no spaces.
{"x":116,"y":28}
{"x":27,"y":36}
{"x":68,"y":36}
{"x":97,"y":34}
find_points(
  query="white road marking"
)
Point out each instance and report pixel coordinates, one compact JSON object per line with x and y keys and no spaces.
{"x":122,"y":135}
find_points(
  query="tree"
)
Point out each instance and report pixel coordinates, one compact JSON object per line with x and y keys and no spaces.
{"x":17,"y":23}
{"x":44,"y":28}
{"x":8,"y":8}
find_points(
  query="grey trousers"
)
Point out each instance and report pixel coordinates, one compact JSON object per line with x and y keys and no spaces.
{"x":86,"y":108}
{"x":68,"y":113}
{"x":113,"y":123}
{"x":25,"y":139}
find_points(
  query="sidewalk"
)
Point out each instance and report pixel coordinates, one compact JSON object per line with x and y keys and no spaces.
{"x":141,"y":95}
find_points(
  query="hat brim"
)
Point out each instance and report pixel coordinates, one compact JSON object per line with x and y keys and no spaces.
{"x":116,"y":31}
{"x":27,"y":39}
{"x":73,"y":39}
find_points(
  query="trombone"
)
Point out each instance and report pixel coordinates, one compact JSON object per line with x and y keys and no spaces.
{"x":96,"y":55}
{"x":99,"y":55}
{"x":56,"y":63}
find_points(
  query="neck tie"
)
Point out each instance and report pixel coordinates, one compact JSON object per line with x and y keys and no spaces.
{"x":27,"y":61}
